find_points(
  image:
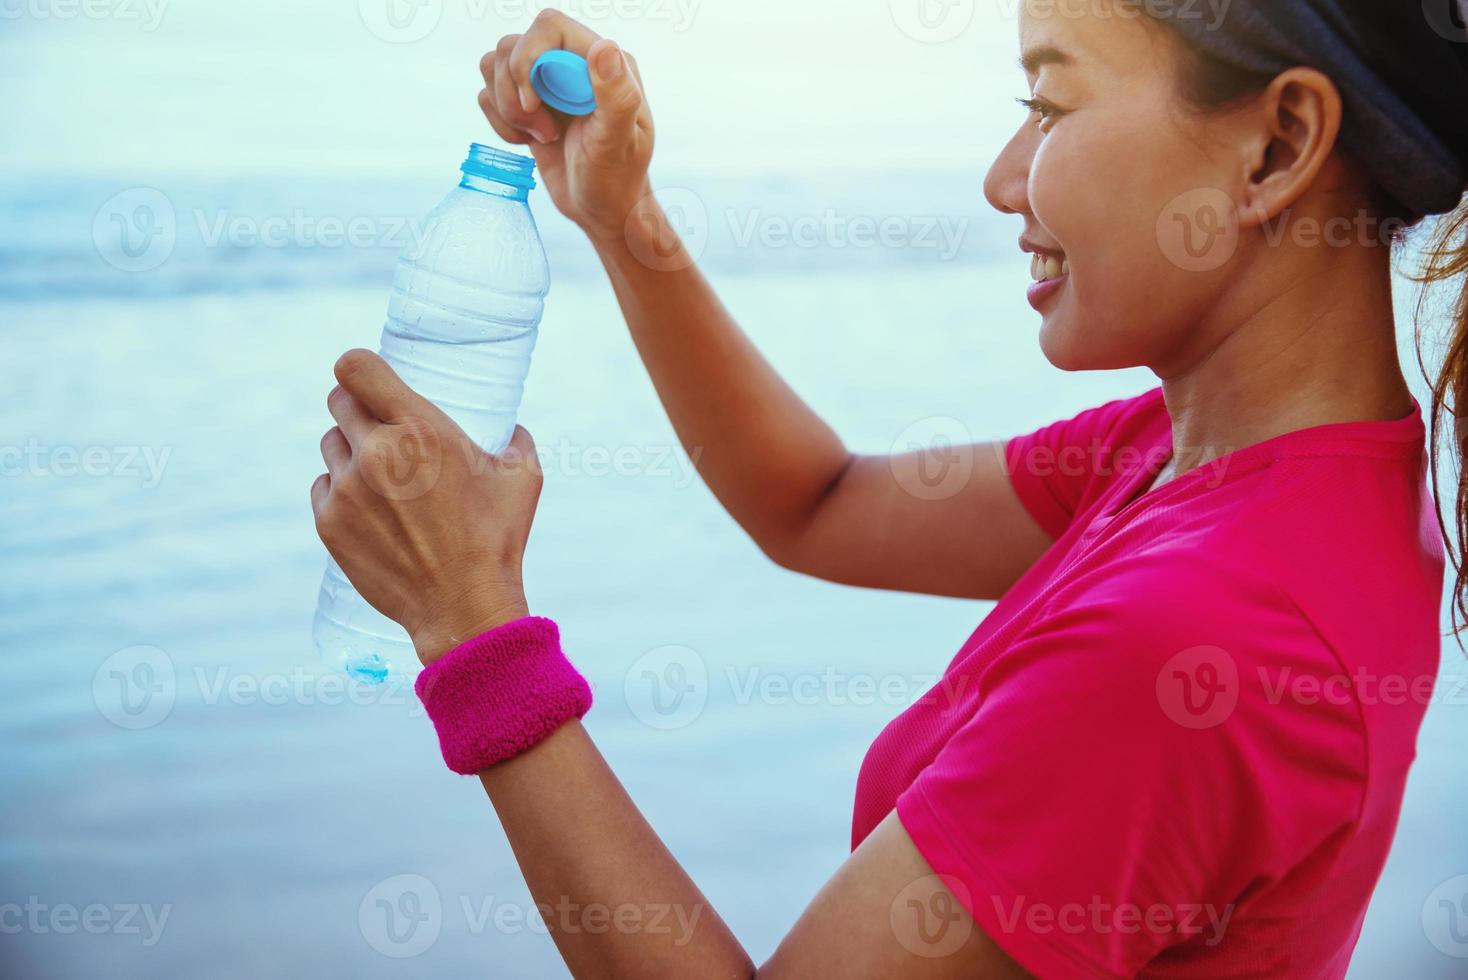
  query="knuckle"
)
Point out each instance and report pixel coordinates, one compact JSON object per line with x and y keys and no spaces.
{"x":376,"y":451}
{"x":628,"y":99}
{"x":503,"y":48}
{"x":328,"y":528}
{"x":417,"y":427}
{"x":548,"y":17}
{"x":519,"y":63}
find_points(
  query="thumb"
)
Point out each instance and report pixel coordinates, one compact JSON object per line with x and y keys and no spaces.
{"x":618,"y":96}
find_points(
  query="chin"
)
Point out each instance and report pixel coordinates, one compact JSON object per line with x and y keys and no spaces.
{"x":1076,"y":341}
{"x":1064,"y":346}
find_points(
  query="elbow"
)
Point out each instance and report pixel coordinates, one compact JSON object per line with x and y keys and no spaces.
{"x":788,"y":544}
{"x":783,"y":549}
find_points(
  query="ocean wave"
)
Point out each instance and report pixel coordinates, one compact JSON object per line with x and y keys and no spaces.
{"x":156,"y":238}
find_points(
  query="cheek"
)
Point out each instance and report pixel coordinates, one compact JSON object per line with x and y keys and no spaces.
{"x":1098,"y":186}
{"x":1093,"y":191}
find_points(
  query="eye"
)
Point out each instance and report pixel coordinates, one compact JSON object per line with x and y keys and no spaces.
{"x":1043,"y":108}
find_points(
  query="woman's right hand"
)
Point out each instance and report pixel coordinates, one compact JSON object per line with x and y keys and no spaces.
{"x":595,"y":167}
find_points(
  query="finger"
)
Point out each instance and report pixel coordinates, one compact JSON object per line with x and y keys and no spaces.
{"x":506,"y":132}
{"x":537,"y":123}
{"x":486,"y":64}
{"x":320,"y":490}
{"x":369,"y":379}
{"x":618,"y":95}
{"x":336,"y":452}
{"x":351,"y":416}
{"x":551,"y":30}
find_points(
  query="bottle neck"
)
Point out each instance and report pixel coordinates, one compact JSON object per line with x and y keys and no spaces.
{"x":494,"y":188}
{"x":498,"y":173}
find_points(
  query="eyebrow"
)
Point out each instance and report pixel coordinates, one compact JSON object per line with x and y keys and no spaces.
{"x":1036,"y":58}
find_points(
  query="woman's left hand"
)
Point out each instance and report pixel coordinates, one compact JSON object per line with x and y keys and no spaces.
{"x":430,"y":529}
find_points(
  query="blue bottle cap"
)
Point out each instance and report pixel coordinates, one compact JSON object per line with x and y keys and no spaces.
{"x":563,"y":82}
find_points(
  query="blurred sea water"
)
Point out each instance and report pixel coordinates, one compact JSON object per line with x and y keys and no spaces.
{"x":174,"y":749}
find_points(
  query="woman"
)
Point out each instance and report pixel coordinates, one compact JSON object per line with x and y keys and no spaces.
{"x":1170,"y":749}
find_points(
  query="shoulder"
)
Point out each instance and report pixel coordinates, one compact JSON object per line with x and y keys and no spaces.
{"x":1061,"y":468}
{"x":1118,"y":422}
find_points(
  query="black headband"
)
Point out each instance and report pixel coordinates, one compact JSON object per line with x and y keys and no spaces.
{"x":1401,"y":67}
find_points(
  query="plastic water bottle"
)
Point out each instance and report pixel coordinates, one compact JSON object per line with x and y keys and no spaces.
{"x":462,"y":320}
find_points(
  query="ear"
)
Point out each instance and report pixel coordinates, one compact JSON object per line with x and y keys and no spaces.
{"x":1294,"y":125}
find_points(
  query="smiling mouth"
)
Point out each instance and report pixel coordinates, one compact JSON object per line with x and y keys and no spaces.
{"x":1043,"y":268}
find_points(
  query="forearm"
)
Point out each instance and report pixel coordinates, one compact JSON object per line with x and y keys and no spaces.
{"x":766,"y":455}
{"x":615,"y":901}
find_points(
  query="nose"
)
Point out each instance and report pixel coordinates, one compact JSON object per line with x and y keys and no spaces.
{"x":1006,"y":187}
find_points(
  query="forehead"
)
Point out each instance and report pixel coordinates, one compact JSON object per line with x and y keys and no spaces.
{"x":1090,"y":36}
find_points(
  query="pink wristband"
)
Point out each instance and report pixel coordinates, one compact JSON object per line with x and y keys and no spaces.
{"x":498,"y":694}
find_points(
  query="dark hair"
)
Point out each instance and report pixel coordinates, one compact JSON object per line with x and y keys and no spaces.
{"x":1210,"y":83}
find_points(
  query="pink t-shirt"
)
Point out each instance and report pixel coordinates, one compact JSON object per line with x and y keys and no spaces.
{"x":1177,"y":746}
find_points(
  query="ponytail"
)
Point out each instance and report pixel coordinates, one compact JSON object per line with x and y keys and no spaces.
{"x":1446,"y":260}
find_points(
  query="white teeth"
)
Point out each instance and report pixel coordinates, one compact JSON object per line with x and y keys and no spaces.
{"x":1042,"y":268}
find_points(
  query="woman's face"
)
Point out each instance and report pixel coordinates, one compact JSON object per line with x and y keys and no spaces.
{"x":1118,"y":181}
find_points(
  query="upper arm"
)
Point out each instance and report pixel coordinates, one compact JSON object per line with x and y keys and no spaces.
{"x":966,"y":520}
{"x":885,"y":915}
{"x":942,"y":521}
